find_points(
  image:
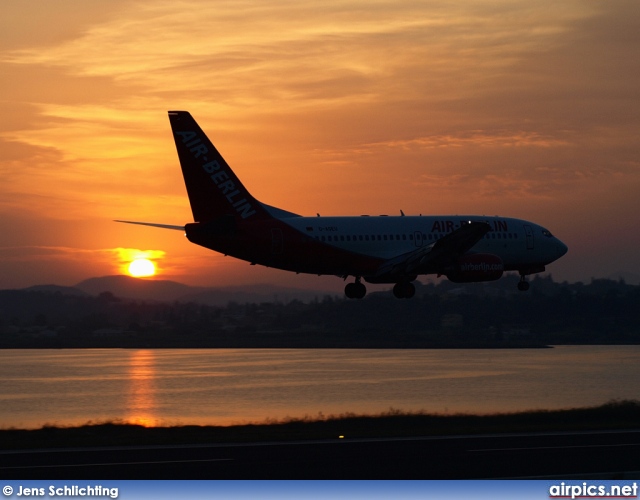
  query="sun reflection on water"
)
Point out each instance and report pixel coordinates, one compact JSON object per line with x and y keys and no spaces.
{"x":141,"y":396}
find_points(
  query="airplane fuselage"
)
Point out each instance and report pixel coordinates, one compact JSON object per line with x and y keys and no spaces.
{"x":345,"y":246}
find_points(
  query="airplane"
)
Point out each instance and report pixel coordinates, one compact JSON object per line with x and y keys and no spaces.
{"x":377,"y":249}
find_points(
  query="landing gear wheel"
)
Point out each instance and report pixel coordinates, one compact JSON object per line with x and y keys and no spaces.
{"x":523,"y":285}
{"x":404,"y":290}
{"x":355,"y":290}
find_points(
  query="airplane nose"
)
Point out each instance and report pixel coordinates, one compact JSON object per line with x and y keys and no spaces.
{"x":562,"y":248}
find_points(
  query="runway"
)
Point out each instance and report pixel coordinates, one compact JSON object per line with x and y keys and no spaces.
{"x":608,"y":455}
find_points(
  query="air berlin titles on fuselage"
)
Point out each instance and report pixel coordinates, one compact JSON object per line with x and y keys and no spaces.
{"x":446,"y":226}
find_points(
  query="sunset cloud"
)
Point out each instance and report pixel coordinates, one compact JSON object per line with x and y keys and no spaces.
{"x":305,"y":53}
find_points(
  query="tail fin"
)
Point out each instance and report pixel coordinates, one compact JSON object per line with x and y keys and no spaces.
{"x":214,"y":190}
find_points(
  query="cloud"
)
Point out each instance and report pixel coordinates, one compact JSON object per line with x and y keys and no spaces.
{"x":304,"y":52}
{"x":116,"y":260}
{"x":126,"y":255}
{"x":51,"y":253}
{"x":476,"y":138}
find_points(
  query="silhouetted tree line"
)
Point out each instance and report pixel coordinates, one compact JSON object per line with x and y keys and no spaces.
{"x":443,"y":314}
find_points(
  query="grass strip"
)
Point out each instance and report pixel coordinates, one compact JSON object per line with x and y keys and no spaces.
{"x":614,"y":415}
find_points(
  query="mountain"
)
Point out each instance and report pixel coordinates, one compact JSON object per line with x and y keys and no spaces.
{"x":136,"y":288}
{"x":169,"y":291}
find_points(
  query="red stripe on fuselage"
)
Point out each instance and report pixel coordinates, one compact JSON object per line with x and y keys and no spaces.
{"x":256,"y":242}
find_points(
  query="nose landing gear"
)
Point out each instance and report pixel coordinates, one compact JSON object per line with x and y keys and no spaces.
{"x":523,"y":285}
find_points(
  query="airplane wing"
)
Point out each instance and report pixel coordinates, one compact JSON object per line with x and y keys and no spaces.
{"x":152,"y":224}
{"x":429,"y":258}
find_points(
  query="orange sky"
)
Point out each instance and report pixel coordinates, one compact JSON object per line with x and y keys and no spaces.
{"x":517,"y":108}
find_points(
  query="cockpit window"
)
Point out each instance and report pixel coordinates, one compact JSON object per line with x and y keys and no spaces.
{"x":547,"y":233}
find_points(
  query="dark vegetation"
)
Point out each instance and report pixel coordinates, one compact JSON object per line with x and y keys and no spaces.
{"x":443,"y":315}
{"x":613,"y":415}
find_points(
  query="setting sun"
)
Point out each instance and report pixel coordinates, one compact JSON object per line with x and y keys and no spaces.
{"x":142,"y":268}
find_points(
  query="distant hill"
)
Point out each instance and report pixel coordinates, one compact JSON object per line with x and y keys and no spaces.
{"x":62,"y":290}
{"x":171,"y":291}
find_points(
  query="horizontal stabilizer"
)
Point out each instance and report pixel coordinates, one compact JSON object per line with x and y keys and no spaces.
{"x":152,"y":224}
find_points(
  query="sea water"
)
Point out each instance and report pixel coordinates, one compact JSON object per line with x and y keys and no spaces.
{"x":229,"y":386}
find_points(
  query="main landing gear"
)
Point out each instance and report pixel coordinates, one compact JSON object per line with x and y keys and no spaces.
{"x":404,"y":290}
{"x":355,"y":290}
{"x":523,"y":285}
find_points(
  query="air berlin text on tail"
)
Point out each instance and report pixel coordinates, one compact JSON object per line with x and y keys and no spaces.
{"x":221,"y":178}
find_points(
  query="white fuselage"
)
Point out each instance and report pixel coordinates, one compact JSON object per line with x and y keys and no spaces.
{"x":519,"y":243}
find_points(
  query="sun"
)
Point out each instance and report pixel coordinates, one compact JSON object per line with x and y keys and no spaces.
{"x":142,"y":268}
